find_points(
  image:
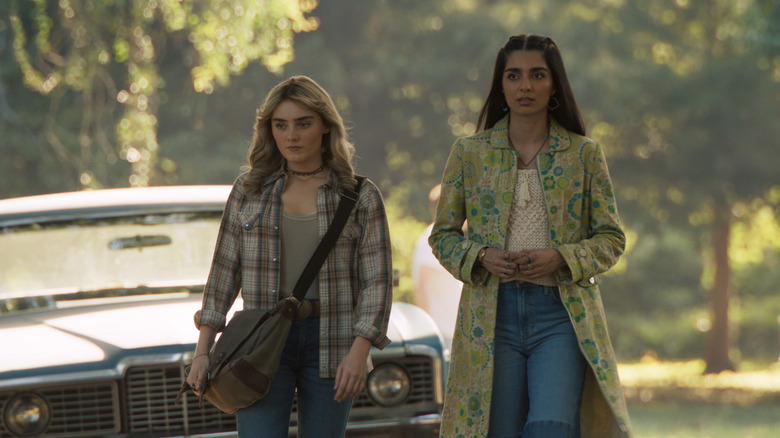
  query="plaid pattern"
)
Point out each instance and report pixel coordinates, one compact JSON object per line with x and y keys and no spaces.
{"x":355,"y":281}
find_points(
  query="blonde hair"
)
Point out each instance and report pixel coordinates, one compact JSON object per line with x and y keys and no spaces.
{"x":264,"y":156}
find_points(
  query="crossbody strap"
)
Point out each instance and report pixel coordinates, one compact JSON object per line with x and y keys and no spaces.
{"x":346,"y":204}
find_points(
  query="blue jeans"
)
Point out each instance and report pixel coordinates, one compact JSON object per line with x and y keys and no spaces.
{"x":539,"y":370}
{"x":319,"y":416}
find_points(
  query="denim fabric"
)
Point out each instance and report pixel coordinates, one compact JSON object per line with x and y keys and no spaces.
{"x":319,"y":416}
{"x":539,"y":370}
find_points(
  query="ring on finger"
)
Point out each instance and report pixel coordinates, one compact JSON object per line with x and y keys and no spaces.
{"x":530,"y":266}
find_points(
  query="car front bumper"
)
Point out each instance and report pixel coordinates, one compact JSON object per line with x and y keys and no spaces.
{"x":421,"y":426}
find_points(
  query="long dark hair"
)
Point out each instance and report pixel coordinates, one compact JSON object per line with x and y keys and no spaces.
{"x":566,"y":112}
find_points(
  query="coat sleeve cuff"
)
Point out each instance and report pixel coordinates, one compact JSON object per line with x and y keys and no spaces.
{"x":210,"y":318}
{"x":377,"y":338}
{"x":473,"y":272}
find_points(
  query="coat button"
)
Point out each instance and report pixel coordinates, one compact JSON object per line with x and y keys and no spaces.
{"x":582,"y":252}
{"x":592,"y":280}
{"x":247,"y":226}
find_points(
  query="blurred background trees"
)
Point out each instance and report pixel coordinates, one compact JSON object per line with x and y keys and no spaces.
{"x":104,"y":71}
{"x":682,"y":95}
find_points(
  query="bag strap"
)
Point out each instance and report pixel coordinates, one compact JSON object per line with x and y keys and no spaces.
{"x":346,"y":204}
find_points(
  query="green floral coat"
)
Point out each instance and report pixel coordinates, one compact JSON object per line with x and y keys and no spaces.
{"x":478,"y":186}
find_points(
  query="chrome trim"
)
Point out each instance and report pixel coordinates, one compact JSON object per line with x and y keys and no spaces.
{"x":22,"y":383}
{"x":426,"y":419}
{"x":438,"y":366}
{"x":150,"y":359}
{"x":390,"y":351}
{"x":91,"y":376}
{"x":208,"y":435}
{"x":394,"y":423}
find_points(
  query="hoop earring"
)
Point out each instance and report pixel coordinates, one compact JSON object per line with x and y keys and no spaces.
{"x":555,"y":105}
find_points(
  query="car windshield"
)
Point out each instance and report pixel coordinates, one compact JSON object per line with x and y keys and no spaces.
{"x":48,"y":265}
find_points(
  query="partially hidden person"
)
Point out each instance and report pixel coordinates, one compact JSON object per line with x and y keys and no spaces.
{"x":435,"y":290}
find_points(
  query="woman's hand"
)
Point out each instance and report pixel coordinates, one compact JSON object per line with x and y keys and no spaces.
{"x":500,"y":262}
{"x":536,"y":263}
{"x":199,"y":370}
{"x":531,"y":263}
{"x":352,"y":371}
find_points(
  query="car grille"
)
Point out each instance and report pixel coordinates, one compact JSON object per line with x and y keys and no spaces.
{"x":150,"y":395}
{"x":77,"y":411}
{"x":149,"y":400}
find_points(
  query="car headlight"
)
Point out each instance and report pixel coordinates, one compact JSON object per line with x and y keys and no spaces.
{"x":27,"y":414}
{"x":388,"y":384}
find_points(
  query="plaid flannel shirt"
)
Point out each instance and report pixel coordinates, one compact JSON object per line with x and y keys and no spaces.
{"x":355,"y":281}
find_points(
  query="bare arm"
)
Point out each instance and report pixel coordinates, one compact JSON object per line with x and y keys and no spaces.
{"x":200,"y":362}
{"x":352,"y":371}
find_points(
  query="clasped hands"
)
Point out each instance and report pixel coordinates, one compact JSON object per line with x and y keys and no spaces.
{"x":531,"y":263}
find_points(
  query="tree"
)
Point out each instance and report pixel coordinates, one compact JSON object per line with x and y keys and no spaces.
{"x":105,"y":57}
{"x":700,"y":141}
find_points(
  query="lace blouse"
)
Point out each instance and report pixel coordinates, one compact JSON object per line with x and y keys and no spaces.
{"x":529,"y":226}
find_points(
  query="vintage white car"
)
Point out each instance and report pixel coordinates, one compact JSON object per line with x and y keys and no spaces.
{"x":97,"y":294}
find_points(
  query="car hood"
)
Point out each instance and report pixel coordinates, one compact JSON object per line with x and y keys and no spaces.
{"x":101,"y":336}
{"x":97,"y":333}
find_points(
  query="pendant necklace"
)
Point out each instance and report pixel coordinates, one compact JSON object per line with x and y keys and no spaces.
{"x":296,"y":173}
{"x":524,"y":195}
{"x":537,"y":152}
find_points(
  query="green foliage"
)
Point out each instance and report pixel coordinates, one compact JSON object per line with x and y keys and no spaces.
{"x":757,"y":312}
{"x":675,"y":399}
{"x":660,"y":375}
{"x":654,"y":304}
{"x":404,"y":231}
{"x":104,"y":59}
{"x":695,"y":420}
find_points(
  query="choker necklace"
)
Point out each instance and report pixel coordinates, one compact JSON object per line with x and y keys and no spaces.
{"x":537,"y":152}
{"x":296,"y":173}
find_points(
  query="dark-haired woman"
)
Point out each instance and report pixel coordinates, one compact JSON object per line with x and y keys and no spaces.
{"x":531,"y":356}
{"x":276,"y":215}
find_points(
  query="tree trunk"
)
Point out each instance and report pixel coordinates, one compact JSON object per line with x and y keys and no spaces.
{"x":717,"y":354}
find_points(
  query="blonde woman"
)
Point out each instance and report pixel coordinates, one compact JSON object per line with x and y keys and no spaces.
{"x":277,"y":212}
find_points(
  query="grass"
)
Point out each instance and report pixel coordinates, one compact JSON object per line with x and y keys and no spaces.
{"x":704,"y":420}
{"x":675,"y":400}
